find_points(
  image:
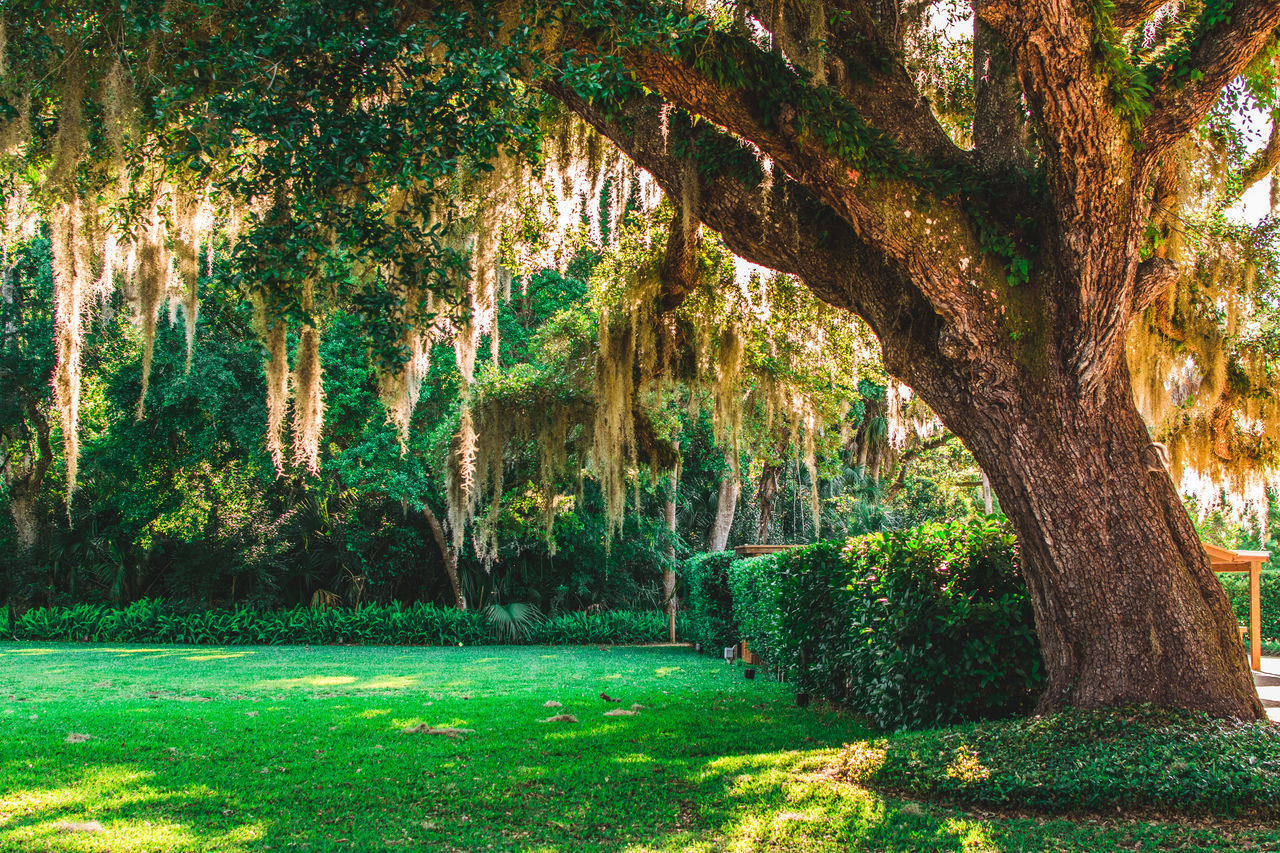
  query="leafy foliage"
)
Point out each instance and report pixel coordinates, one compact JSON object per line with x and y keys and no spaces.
{"x":1135,"y":759}
{"x":153,"y":621}
{"x":708,"y":601}
{"x":914,"y":628}
{"x":1236,"y":585}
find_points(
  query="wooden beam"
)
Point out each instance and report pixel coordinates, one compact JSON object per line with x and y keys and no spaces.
{"x":1255,"y":613}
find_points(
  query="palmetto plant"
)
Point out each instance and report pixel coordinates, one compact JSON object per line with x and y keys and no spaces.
{"x":512,"y":622}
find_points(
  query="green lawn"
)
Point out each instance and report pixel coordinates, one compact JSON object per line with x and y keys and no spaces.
{"x":289,"y":748}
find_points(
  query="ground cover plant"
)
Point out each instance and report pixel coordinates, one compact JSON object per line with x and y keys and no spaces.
{"x":253,"y":748}
{"x":1137,"y":758}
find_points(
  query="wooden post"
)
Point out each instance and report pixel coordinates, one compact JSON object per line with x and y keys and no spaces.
{"x":1226,"y":560}
{"x":1255,"y":614}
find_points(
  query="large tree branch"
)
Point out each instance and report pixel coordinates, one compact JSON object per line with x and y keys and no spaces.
{"x":1155,"y":276}
{"x":1129,"y":13}
{"x":1085,"y":142}
{"x":1183,"y":98}
{"x":1098,"y":197}
{"x":853,"y":47}
{"x":780,"y":224}
{"x":999,"y":126}
{"x":1264,"y":162}
{"x":925,"y":233}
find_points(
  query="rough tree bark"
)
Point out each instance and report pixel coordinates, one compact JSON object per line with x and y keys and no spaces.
{"x":726,"y":505}
{"x":1127,"y":606}
{"x":1030,"y":377}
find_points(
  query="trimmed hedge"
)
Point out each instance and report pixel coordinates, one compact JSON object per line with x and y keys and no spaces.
{"x":756,"y":586}
{"x":708,"y":602}
{"x":151,"y":621}
{"x":1237,"y":586}
{"x":916,"y":628}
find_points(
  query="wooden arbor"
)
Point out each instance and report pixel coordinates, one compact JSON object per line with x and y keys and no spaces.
{"x":1225,"y":560}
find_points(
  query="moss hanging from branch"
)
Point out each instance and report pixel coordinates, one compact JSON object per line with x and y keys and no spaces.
{"x":1202,"y":378}
{"x":275,"y":338}
{"x":308,"y":403}
{"x":151,"y":276}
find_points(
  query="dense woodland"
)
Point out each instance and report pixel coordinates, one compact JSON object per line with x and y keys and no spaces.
{"x":184,"y":504}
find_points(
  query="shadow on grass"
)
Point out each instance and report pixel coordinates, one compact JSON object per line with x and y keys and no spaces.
{"x":119,"y":807}
{"x":711,"y":764}
{"x":625,"y":785}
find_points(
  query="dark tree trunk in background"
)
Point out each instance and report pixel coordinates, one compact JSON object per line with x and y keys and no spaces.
{"x":22,"y":508}
{"x":669,"y":571}
{"x":24,"y":473}
{"x":765,"y":495}
{"x":447,"y":555}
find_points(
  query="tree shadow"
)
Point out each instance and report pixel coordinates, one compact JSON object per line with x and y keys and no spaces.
{"x":119,"y":807}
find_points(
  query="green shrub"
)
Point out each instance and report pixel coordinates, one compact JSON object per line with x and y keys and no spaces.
{"x":612,"y":627}
{"x":915,"y":628}
{"x":1237,"y":586}
{"x":708,"y":601}
{"x":756,"y":587}
{"x":425,"y":625}
{"x":1138,"y":759}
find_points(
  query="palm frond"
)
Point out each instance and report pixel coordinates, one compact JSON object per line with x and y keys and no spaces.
{"x":511,"y":621}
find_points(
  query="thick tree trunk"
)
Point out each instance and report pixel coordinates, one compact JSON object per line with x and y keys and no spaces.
{"x":447,"y":555}
{"x":1127,"y":607}
{"x":726,"y":504}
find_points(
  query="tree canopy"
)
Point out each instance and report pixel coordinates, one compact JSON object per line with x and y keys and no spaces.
{"x":1025,"y":205}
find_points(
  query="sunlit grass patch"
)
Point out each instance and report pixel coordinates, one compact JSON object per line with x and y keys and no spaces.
{"x":291,"y":748}
{"x":113,"y":807}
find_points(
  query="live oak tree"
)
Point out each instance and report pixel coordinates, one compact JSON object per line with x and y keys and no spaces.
{"x":1012,"y":261}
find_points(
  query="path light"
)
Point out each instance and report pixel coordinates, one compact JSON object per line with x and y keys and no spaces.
{"x":729,"y":653}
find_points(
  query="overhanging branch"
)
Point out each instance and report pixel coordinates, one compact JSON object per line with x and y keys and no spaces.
{"x":1129,"y":13}
{"x":904,"y":210}
{"x":1264,"y":162}
{"x":776,"y":222}
{"x":1186,"y":95}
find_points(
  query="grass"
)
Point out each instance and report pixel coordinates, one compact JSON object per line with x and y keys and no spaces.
{"x":288,"y":748}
